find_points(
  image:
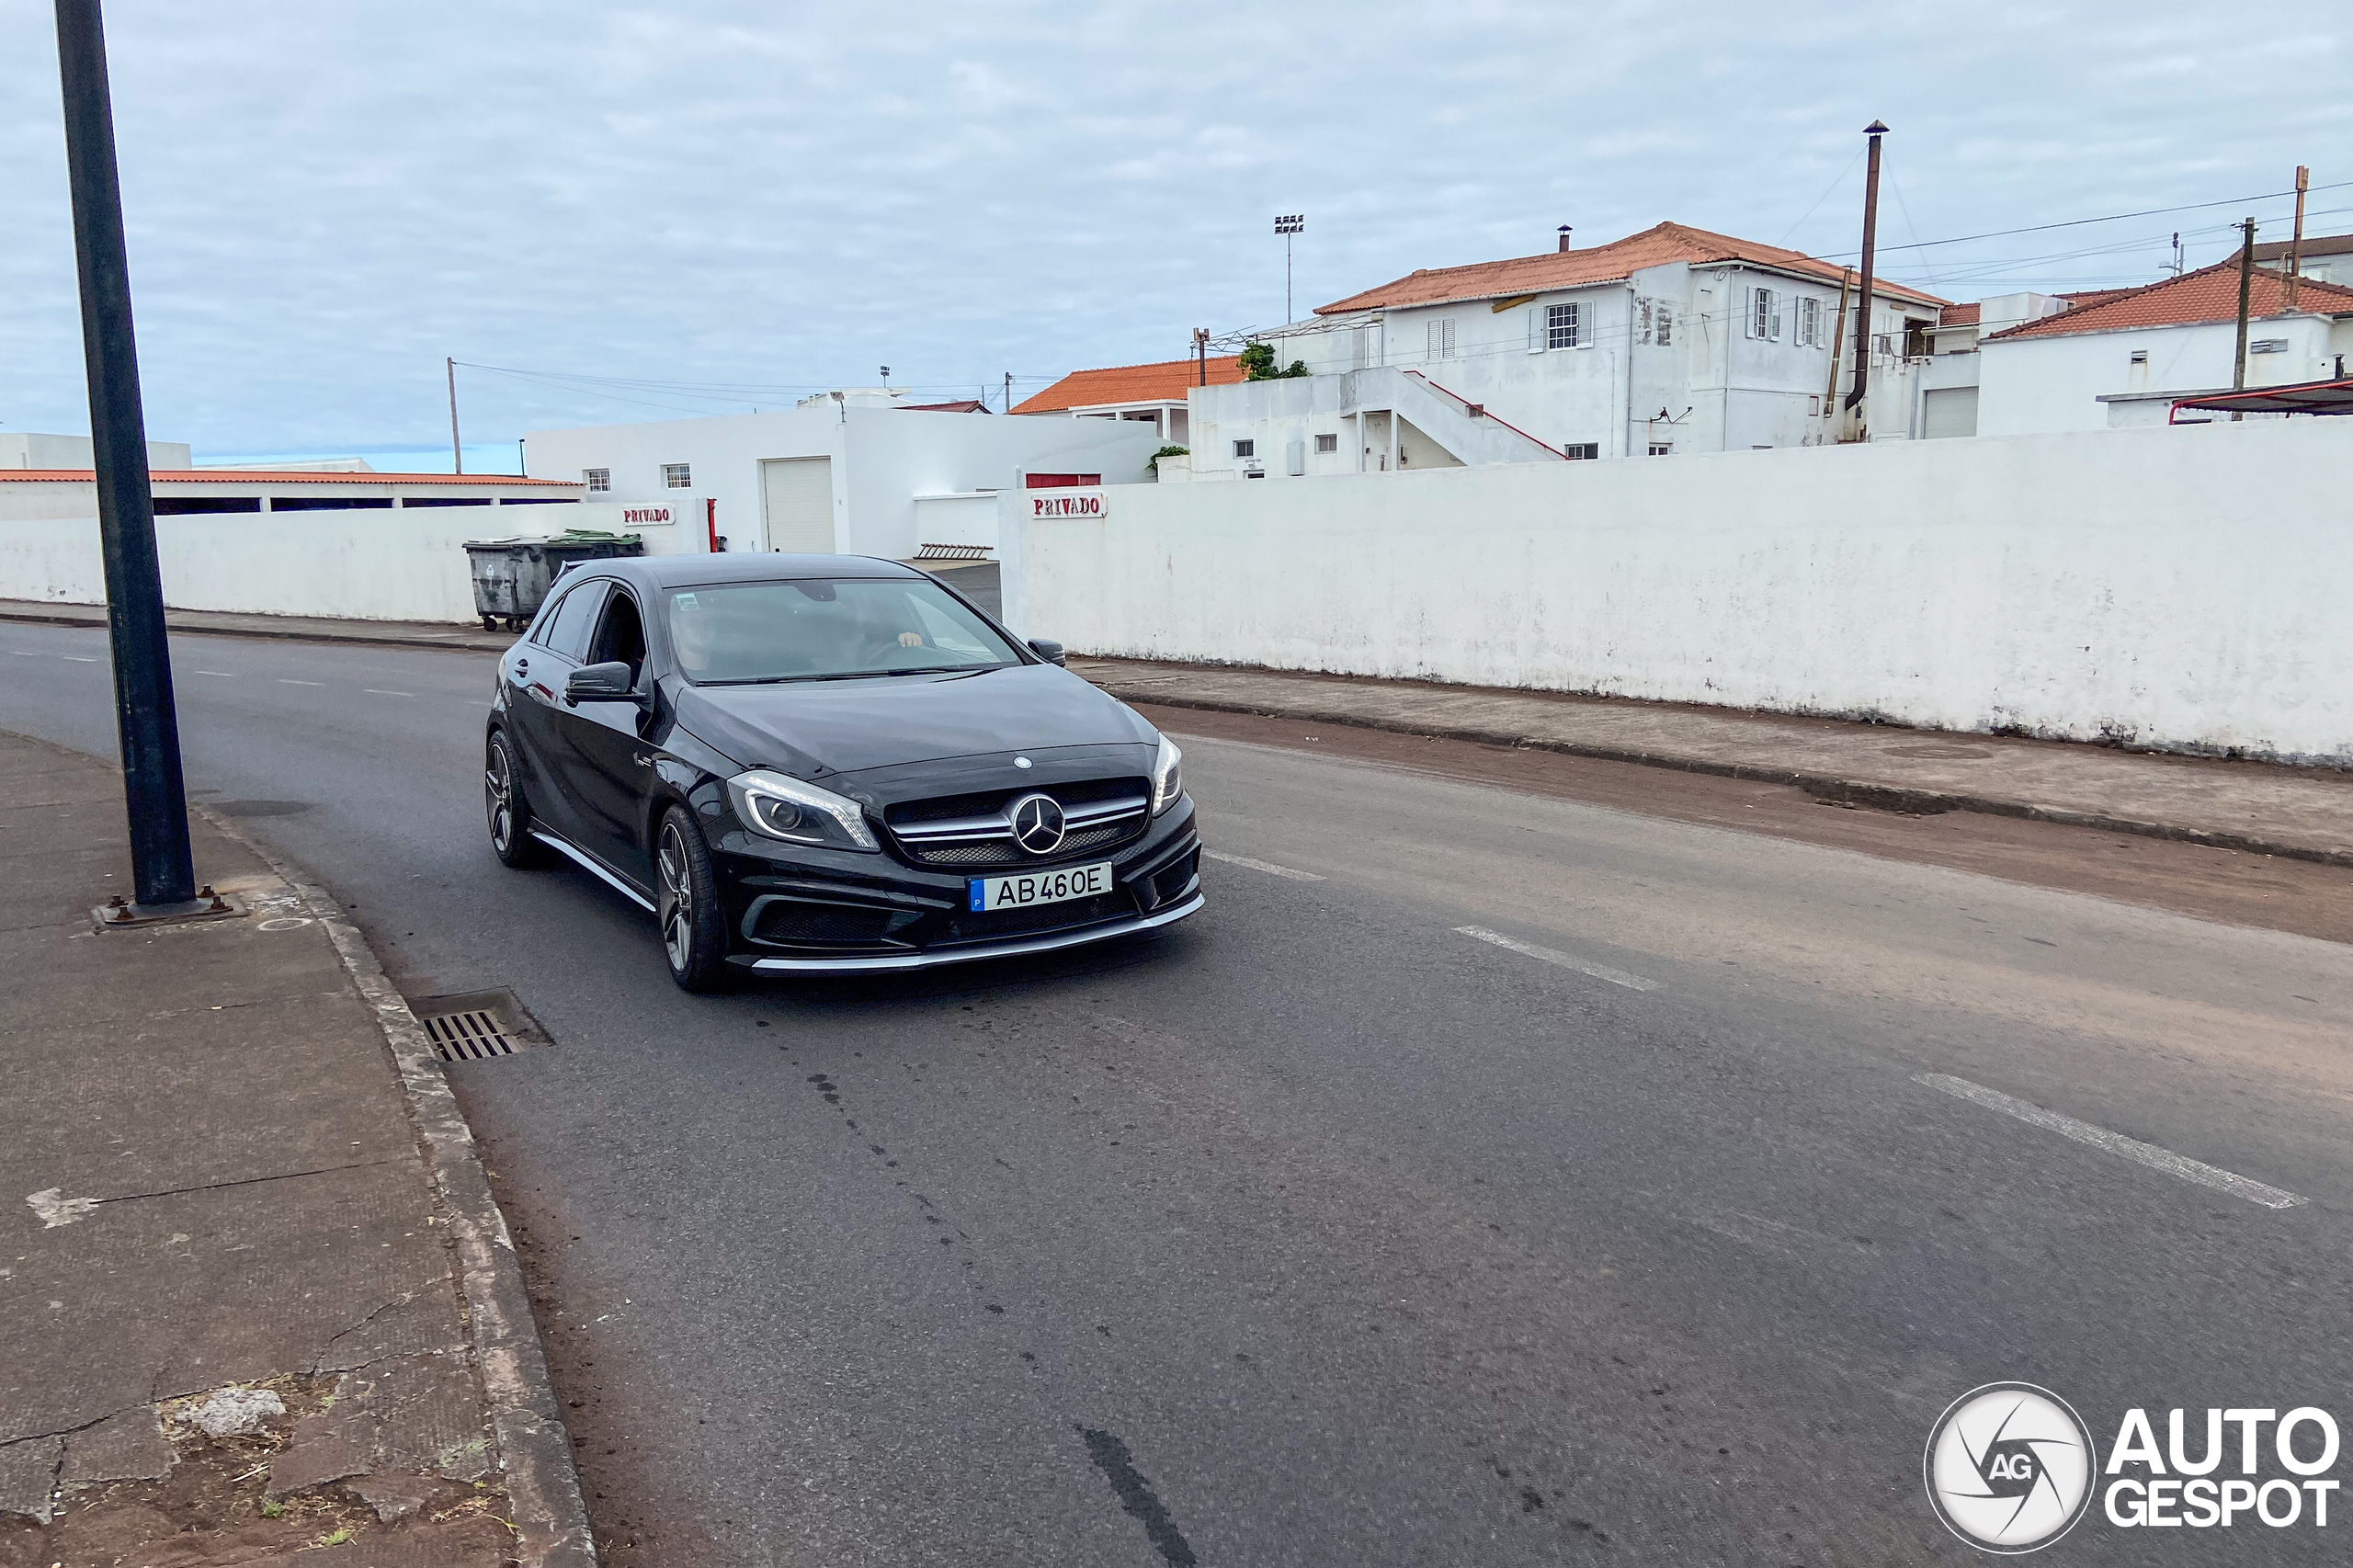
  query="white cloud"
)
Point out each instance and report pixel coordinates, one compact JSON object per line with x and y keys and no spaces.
{"x":324,"y":200}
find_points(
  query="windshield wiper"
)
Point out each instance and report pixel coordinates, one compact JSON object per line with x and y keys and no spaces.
{"x":945,"y":670}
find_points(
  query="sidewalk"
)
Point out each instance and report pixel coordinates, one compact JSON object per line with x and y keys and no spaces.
{"x":2306,"y":813}
{"x":228,"y":1162}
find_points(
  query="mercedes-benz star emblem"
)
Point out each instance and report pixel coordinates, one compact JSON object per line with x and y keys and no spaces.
{"x":1037,"y":824}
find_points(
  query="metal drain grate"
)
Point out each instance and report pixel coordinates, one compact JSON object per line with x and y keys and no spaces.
{"x":468,"y":1037}
{"x":478,"y":1026}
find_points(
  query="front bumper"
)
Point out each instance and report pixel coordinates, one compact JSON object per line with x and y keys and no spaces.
{"x":1012,"y":947}
{"x":792,"y":910}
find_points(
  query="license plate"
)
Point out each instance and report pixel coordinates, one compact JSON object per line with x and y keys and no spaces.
{"x":989,"y":894}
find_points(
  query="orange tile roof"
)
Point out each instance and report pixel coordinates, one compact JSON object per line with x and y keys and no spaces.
{"x":1611,"y":263}
{"x":1958,"y":315}
{"x":1163,"y":383}
{"x":277,"y":476}
{"x":2208,"y":294}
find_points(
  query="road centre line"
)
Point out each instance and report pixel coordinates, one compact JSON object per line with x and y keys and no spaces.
{"x":1567,"y":960}
{"x":373,"y":691}
{"x":1266,"y":865}
{"x":283,"y":681}
{"x":77,"y":659}
{"x":2148,"y":1155}
{"x":224,"y":675}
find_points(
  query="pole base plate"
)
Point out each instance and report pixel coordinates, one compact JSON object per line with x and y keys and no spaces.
{"x":120,"y":913}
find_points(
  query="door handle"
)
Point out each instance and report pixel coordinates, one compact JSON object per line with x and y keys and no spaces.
{"x":522,"y":666}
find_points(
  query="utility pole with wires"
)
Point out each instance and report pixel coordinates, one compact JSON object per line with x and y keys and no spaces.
{"x":2176,"y":253}
{"x":146,"y":715}
{"x":1863,"y":300}
{"x":2296,"y":244}
{"x":1288,"y":224}
{"x":1201,"y":352}
{"x":1009,"y":391}
{"x":2246,"y":286}
{"x":457,"y":452}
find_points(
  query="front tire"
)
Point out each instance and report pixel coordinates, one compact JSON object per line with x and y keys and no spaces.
{"x":509,"y":813}
{"x":694,"y":933}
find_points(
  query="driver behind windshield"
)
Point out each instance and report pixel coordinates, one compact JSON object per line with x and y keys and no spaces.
{"x":824,"y":629}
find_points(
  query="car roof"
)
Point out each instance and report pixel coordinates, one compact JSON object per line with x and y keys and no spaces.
{"x":738,"y":566}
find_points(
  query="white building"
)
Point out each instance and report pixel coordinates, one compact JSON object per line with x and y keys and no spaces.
{"x":2122,"y":357}
{"x":860,"y":473}
{"x":73,"y":492}
{"x":1671,"y":340}
{"x":26,"y":448}
{"x":2328,"y":258}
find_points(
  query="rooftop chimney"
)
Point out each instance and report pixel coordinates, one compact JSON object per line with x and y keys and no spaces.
{"x":1564,"y":236}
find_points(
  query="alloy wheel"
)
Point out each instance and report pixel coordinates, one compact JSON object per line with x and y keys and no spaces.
{"x":677,"y":911}
{"x":498,"y":788}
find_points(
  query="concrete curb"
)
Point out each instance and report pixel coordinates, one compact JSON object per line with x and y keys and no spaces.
{"x":265,"y":633}
{"x":550,"y":1517}
{"x":1827,"y":787}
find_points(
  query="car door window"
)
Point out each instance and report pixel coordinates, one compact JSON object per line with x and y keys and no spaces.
{"x":622,"y":635}
{"x":575,"y":615}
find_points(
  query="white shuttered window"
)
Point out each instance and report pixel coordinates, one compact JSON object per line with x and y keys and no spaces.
{"x":1441,"y":345}
{"x":1765,"y":314}
{"x":1564,"y":325}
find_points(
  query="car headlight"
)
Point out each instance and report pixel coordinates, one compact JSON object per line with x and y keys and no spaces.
{"x":1167,"y":775}
{"x":778,"y":807}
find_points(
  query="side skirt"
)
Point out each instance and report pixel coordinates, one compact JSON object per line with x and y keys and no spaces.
{"x":564,"y":847}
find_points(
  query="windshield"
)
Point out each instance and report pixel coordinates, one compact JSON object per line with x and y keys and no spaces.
{"x":827,"y":629}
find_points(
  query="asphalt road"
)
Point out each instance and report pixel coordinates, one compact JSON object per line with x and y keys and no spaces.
{"x":1320,"y":1231}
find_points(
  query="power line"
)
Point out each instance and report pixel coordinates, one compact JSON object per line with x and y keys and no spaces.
{"x":2111,"y":218}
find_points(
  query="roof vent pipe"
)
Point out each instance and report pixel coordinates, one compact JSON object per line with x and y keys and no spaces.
{"x":1564,"y":236}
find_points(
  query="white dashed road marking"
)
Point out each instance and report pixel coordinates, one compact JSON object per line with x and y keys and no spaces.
{"x":224,"y":675}
{"x":1567,"y":960}
{"x":283,"y":681}
{"x":373,"y":692}
{"x":76,"y":659}
{"x":1268,"y":866}
{"x":2132,"y":1149}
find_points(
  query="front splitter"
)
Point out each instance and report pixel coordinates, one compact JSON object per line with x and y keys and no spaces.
{"x":892,"y":963}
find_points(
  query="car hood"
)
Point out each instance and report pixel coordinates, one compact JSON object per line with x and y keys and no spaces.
{"x":814,"y":728}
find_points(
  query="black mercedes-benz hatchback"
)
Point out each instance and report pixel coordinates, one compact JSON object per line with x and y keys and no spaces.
{"x":827,"y":764}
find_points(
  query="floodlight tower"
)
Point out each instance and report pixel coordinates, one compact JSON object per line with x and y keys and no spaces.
{"x":1287,"y":225}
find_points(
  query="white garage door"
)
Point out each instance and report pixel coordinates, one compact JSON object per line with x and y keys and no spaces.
{"x":1952,"y":411}
{"x":796,"y":494}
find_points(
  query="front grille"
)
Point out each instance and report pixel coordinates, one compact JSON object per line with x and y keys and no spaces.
{"x":971,"y":927}
{"x":972,"y":830}
{"x":828,"y":925}
{"x":1003,"y":854}
{"x":981,"y":803}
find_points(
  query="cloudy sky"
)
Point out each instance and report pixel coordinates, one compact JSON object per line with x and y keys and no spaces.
{"x":708,"y":206}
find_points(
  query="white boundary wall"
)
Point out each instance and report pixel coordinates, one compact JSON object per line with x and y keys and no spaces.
{"x":2187,"y":588}
{"x":400,"y":564}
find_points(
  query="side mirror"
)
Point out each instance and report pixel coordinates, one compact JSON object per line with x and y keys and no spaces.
{"x":600,"y":683}
{"x":1047,"y":649}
